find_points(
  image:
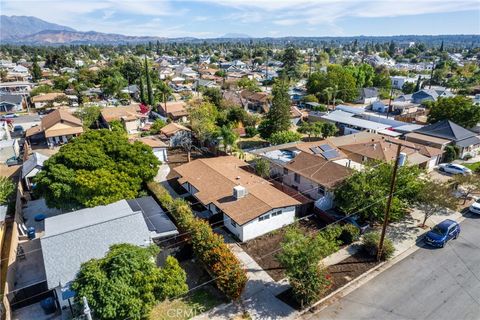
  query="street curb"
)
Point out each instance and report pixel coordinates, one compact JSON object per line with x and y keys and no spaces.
{"x":366,"y":276}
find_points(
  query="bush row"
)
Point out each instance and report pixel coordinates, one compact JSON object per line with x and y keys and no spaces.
{"x":208,"y":246}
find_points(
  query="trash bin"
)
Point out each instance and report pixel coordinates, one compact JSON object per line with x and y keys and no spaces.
{"x":48,"y":305}
{"x":31,"y":233}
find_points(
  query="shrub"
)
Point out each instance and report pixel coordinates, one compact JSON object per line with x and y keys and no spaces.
{"x":349,"y":234}
{"x":208,"y":246}
{"x":251,"y":132}
{"x":370,"y":245}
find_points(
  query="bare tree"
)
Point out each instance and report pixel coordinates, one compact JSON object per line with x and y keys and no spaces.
{"x":187,"y":144}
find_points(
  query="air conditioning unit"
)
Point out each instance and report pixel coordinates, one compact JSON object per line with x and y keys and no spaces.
{"x":239,"y":192}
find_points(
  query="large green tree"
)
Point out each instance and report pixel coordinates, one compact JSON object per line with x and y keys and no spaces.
{"x":6,"y":189}
{"x":113,"y":84}
{"x":126,"y":283}
{"x":290,"y":59}
{"x":202,"y":120}
{"x":365,"y":192}
{"x":336,"y":76}
{"x":435,"y":197}
{"x":278,"y":117}
{"x":89,"y":115}
{"x":150,"y":97}
{"x":36,"y":71}
{"x":459,"y":109}
{"x":97,"y":168}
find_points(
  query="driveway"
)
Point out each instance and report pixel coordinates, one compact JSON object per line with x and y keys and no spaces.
{"x":429,"y":284}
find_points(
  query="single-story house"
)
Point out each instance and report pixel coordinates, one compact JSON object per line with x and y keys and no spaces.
{"x":11,"y":102}
{"x":56,"y":128}
{"x":250,"y":205}
{"x":31,"y":167}
{"x":368,"y":95}
{"x":175,"y":110}
{"x":43,"y":100}
{"x":424,"y":95}
{"x":73,"y":238}
{"x":256,"y":101}
{"x":399,"y":81}
{"x":131,"y":116}
{"x":173,"y":134}
{"x":447,"y":132}
{"x":312,"y":168}
{"x":348,"y":123}
{"x":159,"y":147}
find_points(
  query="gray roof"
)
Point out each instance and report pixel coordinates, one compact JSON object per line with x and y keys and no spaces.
{"x":472,"y":141}
{"x":446,"y":129}
{"x":76,"y":237}
{"x":343,"y":117}
{"x":11,"y":98}
{"x":35,"y":160}
{"x":369,"y":92}
{"x":157,"y":220}
{"x":424,"y":93}
{"x":349,"y":109}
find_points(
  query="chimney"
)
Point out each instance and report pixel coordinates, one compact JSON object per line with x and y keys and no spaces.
{"x":239,"y":192}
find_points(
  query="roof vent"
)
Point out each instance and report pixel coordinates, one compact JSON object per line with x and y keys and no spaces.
{"x":239,"y":192}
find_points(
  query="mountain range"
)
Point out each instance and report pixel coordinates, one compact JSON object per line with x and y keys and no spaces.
{"x":31,"y":30}
{"x":34,"y":31}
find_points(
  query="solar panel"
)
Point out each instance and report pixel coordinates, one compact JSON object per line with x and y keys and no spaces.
{"x":326,"y":147}
{"x":316,"y":150}
{"x":330,"y":154}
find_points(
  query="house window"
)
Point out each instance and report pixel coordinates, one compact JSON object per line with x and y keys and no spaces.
{"x":265,"y":217}
{"x":276,"y":213}
{"x":285,"y":171}
{"x":296,"y":177}
{"x":233,"y":223}
{"x":320,"y":190}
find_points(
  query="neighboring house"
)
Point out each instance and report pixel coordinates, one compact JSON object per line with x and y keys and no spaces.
{"x":379,"y":106}
{"x":173,"y":133}
{"x":42,"y":100}
{"x":31,"y":167}
{"x":424,"y":95}
{"x":256,"y":101}
{"x":56,"y":128}
{"x":133,"y":91}
{"x":159,"y":147}
{"x":348,"y":123}
{"x":205,"y":83}
{"x":250,"y":205}
{"x":312,"y":168}
{"x":447,"y":132}
{"x":368,"y":95}
{"x":175,"y":110}
{"x":130,"y":116}
{"x":73,"y":238}
{"x":295,"y":115}
{"x":399,"y":81}
{"x":11,"y":102}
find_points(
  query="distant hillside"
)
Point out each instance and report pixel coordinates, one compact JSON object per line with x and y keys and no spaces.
{"x":78,"y":37}
{"x":235,"y":36}
{"x":15,"y":27}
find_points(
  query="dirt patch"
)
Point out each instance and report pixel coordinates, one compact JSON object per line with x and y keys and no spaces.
{"x":341,"y":273}
{"x":259,"y":248}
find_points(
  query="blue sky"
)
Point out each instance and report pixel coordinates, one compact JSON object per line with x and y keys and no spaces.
{"x":258,"y":18}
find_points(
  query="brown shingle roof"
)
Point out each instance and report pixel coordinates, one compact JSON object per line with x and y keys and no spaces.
{"x":175,"y":108}
{"x":214,"y":178}
{"x":47,"y":97}
{"x":128,"y":113}
{"x":52,"y":119}
{"x":172,"y":128}
{"x":152,"y":142}
{"x":319,"y":170}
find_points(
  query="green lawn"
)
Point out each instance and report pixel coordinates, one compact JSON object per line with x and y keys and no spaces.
{"x":182,"y":309}
{"x":474,"y":166}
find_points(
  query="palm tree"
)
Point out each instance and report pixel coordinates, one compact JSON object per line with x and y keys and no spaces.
{"x":327,"y":92}
{"x":166,"y":92}
{"x":334,"y":93}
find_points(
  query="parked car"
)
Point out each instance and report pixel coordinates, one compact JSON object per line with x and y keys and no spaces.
{"x":9,"y":116}
{"x":442,"y":232}
{"x":454,"y":168}
{"x":475,"y":207}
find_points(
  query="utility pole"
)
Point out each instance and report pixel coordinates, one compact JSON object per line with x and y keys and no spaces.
{"x":310,"y":64}
{"x":431,"y":76}
{"x":389,"y":202}
{"x":390,"y":101}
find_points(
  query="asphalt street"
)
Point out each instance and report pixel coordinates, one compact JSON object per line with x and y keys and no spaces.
{"x":429,"y":284}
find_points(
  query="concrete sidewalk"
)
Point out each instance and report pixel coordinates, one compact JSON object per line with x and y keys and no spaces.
{"x":259,"y":297}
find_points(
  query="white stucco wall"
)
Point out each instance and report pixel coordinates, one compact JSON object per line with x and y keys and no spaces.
{"x":256,"y":228}
{"x":161,"y":154}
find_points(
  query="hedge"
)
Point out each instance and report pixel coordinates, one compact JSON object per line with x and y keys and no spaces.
{"x":208,"y":246}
